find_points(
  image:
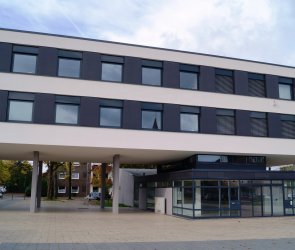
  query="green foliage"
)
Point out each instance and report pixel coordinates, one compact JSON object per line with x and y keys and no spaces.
{"x":288,"y":168}
{"x":16,"y":175}
{"x":4,"y":172}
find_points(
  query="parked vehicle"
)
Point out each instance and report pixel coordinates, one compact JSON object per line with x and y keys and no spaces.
{"x":93,"y":196}
{"x":1,"y":195}
{"x":2,"y":189}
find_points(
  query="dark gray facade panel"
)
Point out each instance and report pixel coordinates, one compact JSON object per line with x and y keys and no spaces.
{"x":274,"y":125}
{"x":132,"y":70}
{"x":5,"y":57}
{"x":171,"y":117}
{"x":131,"y":115}
{"x":243,"y":126}
{"x":44,"y":108}
{"x":91,"y":66}
{"x":208,"y":120}
{"x":207,"y":79}
{"x":47,"y":61}
{"x":272,"y":86}
{"x":89,"y":112}
{"x":241,"y":82}
{"x":3,"y":104}
{"x":171,"y":75}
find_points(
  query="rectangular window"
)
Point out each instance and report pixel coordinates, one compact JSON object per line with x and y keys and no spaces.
{"x":189,"y":119}
{"x":256,"y":85}
{"x":20,"y":107}
{"x":69,"y":63}
{"x":285,"y":88}
{"x":288,"y":126}
{"x":225,"y":119}
{"x":61,"y":176}
{"x":224,"y":82}
{"x":111,"y":113}
{"x":152,"y":72}
{"x":24,"y":59}
{"x":111,"y":68}
{"x":62,"y":189}
{"x":67,"y":110}
{"x":75,"y":189}
{"x":188,"y":76}
{"x":151,"y":116}
{"x":75,"y":176}
{"x":258,"y":122}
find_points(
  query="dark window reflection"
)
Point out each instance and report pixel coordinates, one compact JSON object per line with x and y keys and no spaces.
{"x":189,"y":122}
{"x":188,"y":80}
{"x":69,"y":67}
{"x":66,"y":113}
{"x":20,"y":111}
{"x":152,"y":120}
{"x":23,"y":63}
{"x":110,"y":117}
{"x":151,"y":76}
{"x":111,"y":72}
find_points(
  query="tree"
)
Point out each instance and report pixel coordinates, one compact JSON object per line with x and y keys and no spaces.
{"x":288,"y":168}
{"x":4,"y":172}
{"x":53,"y":166}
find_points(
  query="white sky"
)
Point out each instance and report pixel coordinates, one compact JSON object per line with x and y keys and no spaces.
{"x":262,"y":30}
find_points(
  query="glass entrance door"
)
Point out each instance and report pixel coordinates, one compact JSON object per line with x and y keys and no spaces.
{"x":277,"y":200}
{"x":246,"y":201}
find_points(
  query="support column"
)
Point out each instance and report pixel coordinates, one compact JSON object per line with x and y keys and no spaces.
{"x":103,"y":184}
{"x":34,"y":183}
{"x":116,"y":167}
{"x":39,"y":187}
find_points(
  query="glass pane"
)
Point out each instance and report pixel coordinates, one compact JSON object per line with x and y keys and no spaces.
{"x":224,"y":199}
{"x":20,"y":111}
{"x":189,"y":122}
{"x":69,"y":67}
{"x":246,"y":201}
{"x":152,"y":120}
{"x":197,"y":198}
{"x":277,"y":200}
{"x":24,"y":63}
{"x":188,"y":80}
{"x":210,"y":198}
{"x":209,"y":183}
{"x":67,"y":114}
{"x":151,"y":76}
{"x":188,"y":198}
{"x":285,"y":91}
{"x":111,"y":72}
{"x":257,"y":202}
{"x":177,"y":197}
{"x":110,"y":117}
{"x":150,"y":198}
{"x":188,"y":213}
{"x":210,"y":213}
{"x":266,"y":196}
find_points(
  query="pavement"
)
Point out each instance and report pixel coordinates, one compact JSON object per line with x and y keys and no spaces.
{"x":78,"y":225}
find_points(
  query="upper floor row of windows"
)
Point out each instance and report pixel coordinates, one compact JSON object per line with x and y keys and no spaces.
{"x":25,"y":59}
{"x":21,"y":107}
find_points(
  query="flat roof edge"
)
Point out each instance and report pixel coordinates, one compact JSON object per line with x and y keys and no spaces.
{"x":145,"y":46}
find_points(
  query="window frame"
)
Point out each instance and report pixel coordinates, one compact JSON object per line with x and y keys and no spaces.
{"x":24,"y":50}
{"x":59,"y":190}
{"x":70,"y":101}
{"x":113,"y":60}
{"x":73,"y":56}
{"x":226,"y":112}
{"x":78,"y":190}
{"x":152,"y":107}
{"x":283,"y":81}
{"x":225,"y":73}
{"x":112,"y":104}
{"x":20,"y":97}
{"x":60,"y":175}
{"x":78,"y":176}
{"x":151,"y":64}
{"x":259,"y":115}
{"x":190,"y":111}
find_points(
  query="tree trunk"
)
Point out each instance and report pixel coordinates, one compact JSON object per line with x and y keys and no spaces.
{"x":70,"y":180}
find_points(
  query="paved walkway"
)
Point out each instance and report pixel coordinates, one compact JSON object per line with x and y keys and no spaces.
{"x":78,"y":225}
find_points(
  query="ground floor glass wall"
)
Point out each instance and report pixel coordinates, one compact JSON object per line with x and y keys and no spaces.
{"x":233,"y":198}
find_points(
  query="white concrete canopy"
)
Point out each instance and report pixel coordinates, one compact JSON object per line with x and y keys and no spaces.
{"x":73,"y":143}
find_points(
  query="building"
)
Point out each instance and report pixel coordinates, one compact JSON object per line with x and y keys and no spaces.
{"x":212,"y":124}
{"x":80,"y":181}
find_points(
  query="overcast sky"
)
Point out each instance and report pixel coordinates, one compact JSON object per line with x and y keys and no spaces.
{"x":262,"y":30}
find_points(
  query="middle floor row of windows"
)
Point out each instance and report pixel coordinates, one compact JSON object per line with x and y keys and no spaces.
{"x":20,"y":107}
